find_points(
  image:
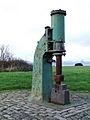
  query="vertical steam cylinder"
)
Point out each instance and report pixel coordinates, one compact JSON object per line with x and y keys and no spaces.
{"x":57,"y":24}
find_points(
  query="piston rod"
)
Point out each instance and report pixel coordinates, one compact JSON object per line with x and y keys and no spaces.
{"x":58,"y":65}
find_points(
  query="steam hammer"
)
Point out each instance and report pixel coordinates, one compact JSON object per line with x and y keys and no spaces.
{"x":51,"y":44}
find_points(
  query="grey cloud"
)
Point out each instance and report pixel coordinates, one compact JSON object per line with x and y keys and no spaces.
{"x":82,"y":40}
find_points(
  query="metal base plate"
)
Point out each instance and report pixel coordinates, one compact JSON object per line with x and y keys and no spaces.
{"x":60,"y":94}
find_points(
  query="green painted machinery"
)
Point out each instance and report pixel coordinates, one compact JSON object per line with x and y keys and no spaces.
{"x":51,"y":44}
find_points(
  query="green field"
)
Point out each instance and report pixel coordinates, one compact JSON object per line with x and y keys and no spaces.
{"x":77,"y":78}
{"x":15,"y":80}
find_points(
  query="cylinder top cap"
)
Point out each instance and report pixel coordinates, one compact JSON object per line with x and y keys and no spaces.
{"x":47,"y":27}
{"x":62,"y":12}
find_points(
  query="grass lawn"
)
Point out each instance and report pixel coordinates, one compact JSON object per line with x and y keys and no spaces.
{"x":15,"y":80}
{"x":77,"y":78}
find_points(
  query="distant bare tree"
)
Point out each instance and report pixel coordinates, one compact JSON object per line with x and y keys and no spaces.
{"x":9,"y":63}
{"x":5,"y":54}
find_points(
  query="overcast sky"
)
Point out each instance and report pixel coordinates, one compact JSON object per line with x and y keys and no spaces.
{"x":22,"y":24}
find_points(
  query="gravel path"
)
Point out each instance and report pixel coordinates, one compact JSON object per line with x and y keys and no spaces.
{"x":15,"y":106}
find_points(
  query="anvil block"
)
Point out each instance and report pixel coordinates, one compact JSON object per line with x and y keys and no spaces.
{"x":60,"y":95}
